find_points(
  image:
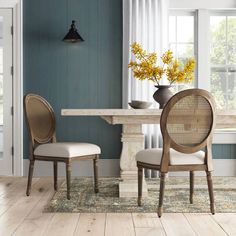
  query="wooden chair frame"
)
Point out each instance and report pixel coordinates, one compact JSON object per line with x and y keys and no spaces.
{"x":51,"y":138}
{"x":168,"y":143}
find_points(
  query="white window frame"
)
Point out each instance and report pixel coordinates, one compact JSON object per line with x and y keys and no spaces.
{"x":202,"y":47}
{"x":193,"y":13}
{"x":220,"y":137}
{"x":224,"y":14}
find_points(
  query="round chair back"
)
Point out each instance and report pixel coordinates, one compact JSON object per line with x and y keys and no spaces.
{"x":188,"y":119}
{"x":40,"y":119}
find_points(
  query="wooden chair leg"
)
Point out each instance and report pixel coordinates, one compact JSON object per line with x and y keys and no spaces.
{"x":191,"y":186}
{"x":161,"y":194}
{"x":210,"y":190}
{"x":95,"y":174}
{"x":55,"y":175}
{"x":68,"y":176}
{"x":140,"y":185}
{"x":30,"y":176}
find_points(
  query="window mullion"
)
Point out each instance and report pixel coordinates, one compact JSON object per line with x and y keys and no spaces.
{"x":203,"y":49}
{"x":195,"y":32}
{"x":176,"y":30}
{"x":227,"y":61}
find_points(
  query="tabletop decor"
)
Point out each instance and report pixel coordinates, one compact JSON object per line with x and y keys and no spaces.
{"x":84,"y":200}
{"x":136,"y":104}
{"x":146,"y":67}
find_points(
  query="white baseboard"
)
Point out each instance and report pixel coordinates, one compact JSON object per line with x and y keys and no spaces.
{"x":106,"y":167}
{"x":111,"y":167}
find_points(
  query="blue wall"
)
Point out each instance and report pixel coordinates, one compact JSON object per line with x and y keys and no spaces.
{"x":83,"y":75}
{"x":224,"y":151}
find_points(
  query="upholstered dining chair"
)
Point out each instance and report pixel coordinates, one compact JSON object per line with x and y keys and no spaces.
{"x":41,"y":123}
{"x":187,"y":123}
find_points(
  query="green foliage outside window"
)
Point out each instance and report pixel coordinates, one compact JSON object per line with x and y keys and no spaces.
{"x":223,"y":61}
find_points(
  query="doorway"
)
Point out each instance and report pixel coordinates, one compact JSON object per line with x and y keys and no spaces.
{"x":6,"y":92}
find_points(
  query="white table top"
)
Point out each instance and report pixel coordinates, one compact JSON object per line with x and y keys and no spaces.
{"x":110,"y":112}
{"x":224,"y":119}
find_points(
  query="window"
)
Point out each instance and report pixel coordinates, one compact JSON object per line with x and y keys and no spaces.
{"x":182,"y":39}
{"x":209,"y":36}
{"x":223,"y":59}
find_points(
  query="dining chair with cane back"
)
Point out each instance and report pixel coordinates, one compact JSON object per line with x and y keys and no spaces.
{"x":41,"y":124}
{"x":187,"y":123}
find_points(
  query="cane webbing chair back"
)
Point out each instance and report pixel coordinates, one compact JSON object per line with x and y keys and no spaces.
{"x":40,"y":119}
{"x":188,"y":120}
{"x":41,"y":123}
{"x":187,"y":123}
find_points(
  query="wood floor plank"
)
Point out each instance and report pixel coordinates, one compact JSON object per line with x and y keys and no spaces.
{"x":62,"y":224}
{"x":176,"y":224}
{"x":12,"y":194}
{"x":15,"y":215}
{"x":15,"y":190}
{"x":48,"y":194}
{"x":24,"y":216}
{"x":146,"y":220}
{"x":227,"y":221}
{"x":37,"y":221}
{"x":7,"y":182}
{"x":91,"y":224}
{"x":34,"y":227}
{"x":203,"y":224}
{"x":4,"y":179}
{"x":118,"y":224}
{"x":10,"y":184}
{"x":147,"y":224}
{"x":149,"y":232}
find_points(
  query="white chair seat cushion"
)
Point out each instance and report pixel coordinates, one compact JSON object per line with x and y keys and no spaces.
{"x":153,"y":156}
{"x":67,"y":149}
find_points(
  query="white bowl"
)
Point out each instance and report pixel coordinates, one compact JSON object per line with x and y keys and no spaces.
{"x":136,"y":104}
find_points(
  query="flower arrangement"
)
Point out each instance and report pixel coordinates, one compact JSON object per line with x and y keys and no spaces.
{"x":145,"y":66}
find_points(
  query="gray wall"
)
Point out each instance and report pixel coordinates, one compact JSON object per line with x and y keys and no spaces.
{"x":83,"y":75}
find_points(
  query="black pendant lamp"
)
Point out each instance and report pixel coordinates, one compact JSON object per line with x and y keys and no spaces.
{"x":73,"y":36}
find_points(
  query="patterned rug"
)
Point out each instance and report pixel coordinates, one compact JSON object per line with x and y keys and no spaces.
{"x":176,"y":198}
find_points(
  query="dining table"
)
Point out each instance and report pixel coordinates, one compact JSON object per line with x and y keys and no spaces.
{"x":133,"y":139}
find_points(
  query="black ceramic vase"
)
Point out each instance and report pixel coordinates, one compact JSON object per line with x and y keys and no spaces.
{"x":162,"y":95}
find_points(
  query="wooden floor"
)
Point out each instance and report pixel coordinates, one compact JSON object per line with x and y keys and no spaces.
{"x":21,"y":215}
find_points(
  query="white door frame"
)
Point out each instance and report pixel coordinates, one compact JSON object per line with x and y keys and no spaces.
{"x":16,"y":6}
{"x":6,"y":162}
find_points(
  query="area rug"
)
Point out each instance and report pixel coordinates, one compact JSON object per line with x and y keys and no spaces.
{"x":176,"y":198}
